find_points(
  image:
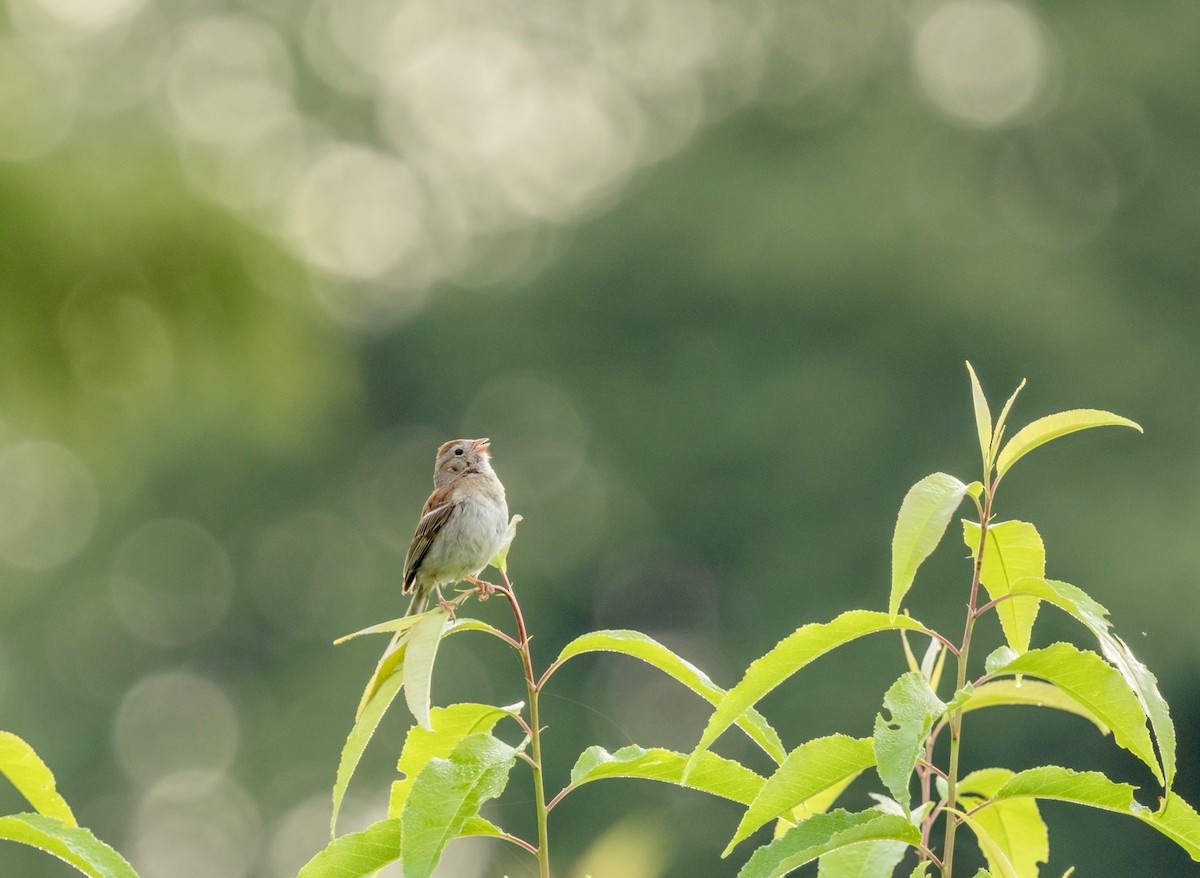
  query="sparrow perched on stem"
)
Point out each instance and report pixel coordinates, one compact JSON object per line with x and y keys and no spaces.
{"x":462,"y":526}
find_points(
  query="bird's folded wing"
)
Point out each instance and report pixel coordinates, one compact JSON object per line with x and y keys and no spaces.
{"x":427,"y":529}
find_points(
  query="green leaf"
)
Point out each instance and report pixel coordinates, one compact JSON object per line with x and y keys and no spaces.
{"x":71,"y":844}
{"x":1014,"y":549}
{"x":924,"y":514}
{"x":365,"y":724}
{"x":871,"y":859}
{"x":423,"y":642}
{"x":1075,"y":601}
{"x":1093,"y":682}
{"x":998,"y":658}
{"x":822,"y":834}
{"x":802,"y":646}
{"x":998,"y":430}
{"x":358,"y":855}
{"x":446,"y":794}
{"x":995,"y":854}
{"x":500,"y":561}
{"x":1051,"y":427}
{"x":649,"y":650}
{"x":394,"y":626}
{"x":1015,"y":826}
{"x":1030,"y":692}
{"x":1176,"y":819}
{"x":713,"y":774}
{"x":811,"y":768}
{"x":983,"y":418}
{"x":448,"y":727}
{"x":921,"y":870}
{"x":913,"y":707}
{"x":33,"y":780}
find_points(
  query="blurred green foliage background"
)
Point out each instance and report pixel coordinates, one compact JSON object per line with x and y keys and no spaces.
{"x":705,"y":271}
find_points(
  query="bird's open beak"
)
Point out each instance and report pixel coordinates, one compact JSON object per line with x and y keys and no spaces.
{"x":481,"y":444}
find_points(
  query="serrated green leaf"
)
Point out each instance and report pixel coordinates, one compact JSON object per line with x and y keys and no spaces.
{"x":33,"y":780}
{"x":1014,"y":549}
{"x":649,"y":650}
{"x":798,"y":649}
{"x":998,"y":658}
{"x":1176,"y":819}
{"x":448,"y":727}
{"x":1051,"y":427}
{"x":1035,"y":693}
{"x":899,"y":738}
{"x":921,"y":870}
{"x":871,"y":859}
{"x":71,"y":844}
{"x":500,"y":561}
{"x":1076,"y":602}
{"x":446,"y":794}
{"x":393,"y":626}
{"x":713,"y":774}
{"x":983,"y":418}
{"x":423,"y":641}
{"x":811,"y":768}
{"x":371,"y":712}
{"x":1014,"y":826}
{"x":358,"y":855}
{"x":1093,"y":682}
{"x":924,"y":515}
{"x":823,"y":833}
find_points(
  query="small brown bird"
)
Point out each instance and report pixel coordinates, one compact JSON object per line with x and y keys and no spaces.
{"x":462,"y":526}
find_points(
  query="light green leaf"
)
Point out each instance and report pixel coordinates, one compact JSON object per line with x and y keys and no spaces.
{"x":1014,"y":549}
{"x":1176,"y":819}
{"x":998,"y":430}
{"x":423,"y":642}
{"x":71,"y":844}
{"x":899,"y":738}
{"x":1029,"y":692}
{"x":446,"y":794}
{"x":394,"y":626}
{"x":1075,"y":601}
{"x":33,"y":780}
{"x":921,"y":870}
{"x":871,"y":859}
{"x":500,"y":561}
{"x":998,"y":658}
{"x":924,"y":514}
{"x":478,"y":827}
{"x":1093,"y":682}
{"x":802,"y":646}
{"x":378,"y":698}
{"x":811,"y":768}
{"x":1015,"y":826}
{"x":983,"y":418}
{"x":649,"y":650}
{"x":822,"y":834}
{"x":713,"y":774}
{"x":448,"y":727}
{"x":1051,"y":427}
{"x":358,"y":855}
{"x":995,"y":854}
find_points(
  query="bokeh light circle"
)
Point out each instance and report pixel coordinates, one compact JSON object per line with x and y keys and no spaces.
{"x":48,"y":505}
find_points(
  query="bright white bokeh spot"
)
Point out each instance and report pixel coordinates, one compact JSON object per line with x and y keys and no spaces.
{"x":171,"y":582}
{"x":195,"y":824}
{"x":982,"y":62}
{"x":38,"y":101}
{"x":229,"y":80}
{"x":356,"y":213}
{"x":48,"y":505}
{"x":89,"y":15}
{"x":172,"y":721}
{"x":653,"y":44}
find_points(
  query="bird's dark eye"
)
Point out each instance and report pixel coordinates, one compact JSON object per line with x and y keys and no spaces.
{"x":458,"y":451}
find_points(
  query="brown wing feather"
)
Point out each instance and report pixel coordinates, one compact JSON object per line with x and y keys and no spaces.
{"x":438,"y":509}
